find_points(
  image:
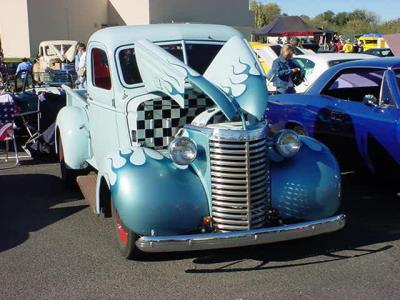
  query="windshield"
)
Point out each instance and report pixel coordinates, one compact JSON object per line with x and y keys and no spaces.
{"x":62,"y":48}
{"x":199,"y":57}
{"x":397,"y":73}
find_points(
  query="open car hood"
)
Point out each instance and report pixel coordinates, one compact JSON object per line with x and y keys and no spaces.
{"x":233,"y":80}
{"x":63,"y":50}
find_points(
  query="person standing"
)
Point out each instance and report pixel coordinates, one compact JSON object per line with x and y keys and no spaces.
{"x":339,"y":46}
{"x":82,"y":66}
{"x":282,"y":71}
{"x":24,"y":66}
{"x":348,"y":47}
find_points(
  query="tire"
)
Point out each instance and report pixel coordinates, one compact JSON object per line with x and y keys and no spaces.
{"x":126,"y":238}
{"x":299,"y":130}
{"x":68,"y":175}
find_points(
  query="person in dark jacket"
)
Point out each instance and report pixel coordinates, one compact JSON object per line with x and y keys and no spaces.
{"x":282,"y":71}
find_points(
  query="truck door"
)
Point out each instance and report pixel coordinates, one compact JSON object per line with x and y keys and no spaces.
{"x":101,"y":104}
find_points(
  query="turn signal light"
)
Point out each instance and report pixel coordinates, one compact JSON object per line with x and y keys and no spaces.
{"x":207,"y":221}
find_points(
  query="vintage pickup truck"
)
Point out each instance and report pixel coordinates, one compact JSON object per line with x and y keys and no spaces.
{"x":172,"y":124}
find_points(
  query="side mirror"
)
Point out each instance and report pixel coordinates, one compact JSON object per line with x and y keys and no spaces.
{"x":370,"y":100}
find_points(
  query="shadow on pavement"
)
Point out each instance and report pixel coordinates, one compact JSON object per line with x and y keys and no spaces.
{"x":26,"y":206}
{"x":373,"y":212}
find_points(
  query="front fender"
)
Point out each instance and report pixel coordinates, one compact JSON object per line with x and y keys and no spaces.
{"x":72,"y":124}
{"x":152,"y":194}
{"x":307,"y":186}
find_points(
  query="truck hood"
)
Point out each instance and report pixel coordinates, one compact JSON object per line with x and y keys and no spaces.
{"x":63,"y":50}
{"x":234,"y":79}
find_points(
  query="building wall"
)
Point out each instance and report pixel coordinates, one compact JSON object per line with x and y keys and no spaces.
{"x":14,"y":29}
{"x":128,"y":12}
{"x":227,"y":12}
{"x":28,"y":22}
{"x":65,"y":19}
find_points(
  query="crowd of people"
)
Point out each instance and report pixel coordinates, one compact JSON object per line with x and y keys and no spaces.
{"x":338,"y":44}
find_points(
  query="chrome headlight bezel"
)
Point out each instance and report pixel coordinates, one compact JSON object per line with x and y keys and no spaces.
{"x":182,"y":150}
{"x":287,"y":143}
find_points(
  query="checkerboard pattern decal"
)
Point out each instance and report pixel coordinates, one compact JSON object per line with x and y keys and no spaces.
{"x":160,"y":119}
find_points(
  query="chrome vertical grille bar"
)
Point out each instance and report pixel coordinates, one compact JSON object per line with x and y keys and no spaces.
{"x":239,"y":183}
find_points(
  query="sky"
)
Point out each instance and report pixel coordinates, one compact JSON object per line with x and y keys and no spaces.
{"x":385,"y":9}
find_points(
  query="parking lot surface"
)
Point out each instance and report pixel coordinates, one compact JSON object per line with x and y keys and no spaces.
{"x":53,"y":246}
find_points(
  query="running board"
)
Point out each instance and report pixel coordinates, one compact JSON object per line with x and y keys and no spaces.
{"x":87,"y":185}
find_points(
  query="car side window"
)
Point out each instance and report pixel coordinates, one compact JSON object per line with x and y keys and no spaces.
{"x":355,"y":83}
{"x":101,"y":76}
{"x":305,"y":64}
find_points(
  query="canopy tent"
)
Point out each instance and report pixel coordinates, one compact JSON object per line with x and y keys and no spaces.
{"x":287,"y":26}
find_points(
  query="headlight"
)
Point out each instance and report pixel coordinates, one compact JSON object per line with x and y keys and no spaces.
{"x":287,"y":143}
{"x":182,"y":150}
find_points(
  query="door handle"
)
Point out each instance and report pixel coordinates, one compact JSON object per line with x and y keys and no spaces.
{"x":336,"y":116}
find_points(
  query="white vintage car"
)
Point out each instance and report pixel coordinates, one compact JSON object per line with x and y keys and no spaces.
{"x":54,"y":64}
{"x":314,"y":65}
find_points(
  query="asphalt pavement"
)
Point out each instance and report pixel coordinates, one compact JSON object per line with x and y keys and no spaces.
{"x":52,"y":246}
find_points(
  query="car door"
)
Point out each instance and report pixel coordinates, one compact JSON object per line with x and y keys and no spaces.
{"x":344,"y":123}
{"x":101,"y":103}
{"x":381,"y":138}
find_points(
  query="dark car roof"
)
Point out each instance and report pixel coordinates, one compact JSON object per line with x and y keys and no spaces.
{"x":383,"y":63}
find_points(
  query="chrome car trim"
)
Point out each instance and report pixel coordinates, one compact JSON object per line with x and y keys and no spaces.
{"x":232,"y":134}
{"x":206,"y":241}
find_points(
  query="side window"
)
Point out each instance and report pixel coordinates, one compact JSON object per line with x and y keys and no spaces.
{"x":305,"y":64}
{"x":355,"y":84}
{"x":129,"y":67}
{"x":101,"y":76}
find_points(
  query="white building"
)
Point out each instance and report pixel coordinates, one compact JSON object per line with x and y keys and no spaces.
{"x":24,"y":23}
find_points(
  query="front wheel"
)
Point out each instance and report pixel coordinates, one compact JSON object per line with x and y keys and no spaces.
{"x":126,"y":237}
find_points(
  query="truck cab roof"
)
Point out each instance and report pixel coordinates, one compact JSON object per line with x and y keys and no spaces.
{"x":114,"y":37}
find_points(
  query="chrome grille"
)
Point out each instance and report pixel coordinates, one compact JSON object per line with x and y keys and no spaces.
{"x":239,"y":183}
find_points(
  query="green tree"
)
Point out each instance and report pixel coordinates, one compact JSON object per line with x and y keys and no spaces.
{"x":341,"y":18}
{"x":264,"y":13}
{"x":355,"y":26}
{"x":388,"y":27}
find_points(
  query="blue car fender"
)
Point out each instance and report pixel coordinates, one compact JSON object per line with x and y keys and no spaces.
{"x":308,"y":185}
{"x":72,"y":127}
{"x":153,"y":195}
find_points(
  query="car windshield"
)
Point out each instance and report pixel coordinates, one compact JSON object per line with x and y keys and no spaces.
{"x":129,"y":68}
{"x":397,"y":73}
{"x":199,"y":57}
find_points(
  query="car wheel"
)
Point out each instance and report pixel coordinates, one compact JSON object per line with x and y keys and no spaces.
{"x":126,"y":238}
{"x":68,"y":175}
{"x":299,"y":130}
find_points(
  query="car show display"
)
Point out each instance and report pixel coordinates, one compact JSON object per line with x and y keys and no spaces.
{"x":353,"y":108}
{"x":172,"y":123}
{"x":54,"y":63}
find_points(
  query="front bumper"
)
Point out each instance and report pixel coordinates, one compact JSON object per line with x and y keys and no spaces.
{"x":206,"y":241}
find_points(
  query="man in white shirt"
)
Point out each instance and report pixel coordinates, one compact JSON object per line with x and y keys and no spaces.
{"x":82,"y":66}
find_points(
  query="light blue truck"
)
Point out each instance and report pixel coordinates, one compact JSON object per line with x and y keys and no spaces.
{"x":171,"y":127}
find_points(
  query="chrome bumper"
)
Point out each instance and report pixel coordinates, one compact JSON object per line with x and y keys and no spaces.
{"x":205,"y":241}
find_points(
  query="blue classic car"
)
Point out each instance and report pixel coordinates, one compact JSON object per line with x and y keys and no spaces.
{"x":172,"y":123}
{"x":353,"y":109}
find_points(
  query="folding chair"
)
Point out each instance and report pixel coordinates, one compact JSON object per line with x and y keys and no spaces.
{"x":7,"y":110}
{"x":28,"y":104}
